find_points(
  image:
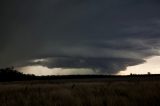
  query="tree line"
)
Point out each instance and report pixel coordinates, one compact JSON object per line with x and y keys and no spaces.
{"x":10,"y":74}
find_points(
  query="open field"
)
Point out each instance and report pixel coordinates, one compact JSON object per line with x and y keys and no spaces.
{"x":77,"y":93}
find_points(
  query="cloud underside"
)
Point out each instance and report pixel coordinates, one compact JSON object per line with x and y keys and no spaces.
{"x":104,"y":35}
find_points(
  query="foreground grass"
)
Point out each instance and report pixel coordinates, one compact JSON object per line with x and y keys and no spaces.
{"x":120,"y":93}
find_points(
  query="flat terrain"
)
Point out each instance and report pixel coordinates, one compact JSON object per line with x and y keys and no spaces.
{"x":80,"y":93}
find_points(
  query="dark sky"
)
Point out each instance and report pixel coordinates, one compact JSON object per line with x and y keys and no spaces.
{"x":104,"y":35}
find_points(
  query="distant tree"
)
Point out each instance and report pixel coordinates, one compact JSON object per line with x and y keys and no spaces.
{"x":10,"y":74}
{"x":149,"y":73}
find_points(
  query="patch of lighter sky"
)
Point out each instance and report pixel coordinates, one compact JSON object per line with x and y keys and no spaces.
{"x":41,"y":70}
{"x":39,"y":60}
{"x":151,"y":65}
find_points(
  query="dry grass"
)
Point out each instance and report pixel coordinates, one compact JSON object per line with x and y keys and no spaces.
{"x":145,"y":93}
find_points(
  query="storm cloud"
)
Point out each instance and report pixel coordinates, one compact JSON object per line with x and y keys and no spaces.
{"x":104,"y":35}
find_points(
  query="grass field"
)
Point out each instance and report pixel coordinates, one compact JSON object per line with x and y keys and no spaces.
{"x":111,"y":93}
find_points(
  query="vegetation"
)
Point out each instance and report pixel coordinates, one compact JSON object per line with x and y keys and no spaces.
{"x":9,"y":74}
{"x":17,"y":89}
{"x":122,"y":93}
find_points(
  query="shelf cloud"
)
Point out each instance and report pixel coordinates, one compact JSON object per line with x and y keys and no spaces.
{"x":104,"y":35}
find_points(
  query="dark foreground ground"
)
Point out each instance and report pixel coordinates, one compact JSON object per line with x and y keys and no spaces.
{"x":18,"y":89}
{"x":69,"y":92}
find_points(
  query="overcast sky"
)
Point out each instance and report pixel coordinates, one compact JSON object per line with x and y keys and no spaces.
{"x":105,"y":36}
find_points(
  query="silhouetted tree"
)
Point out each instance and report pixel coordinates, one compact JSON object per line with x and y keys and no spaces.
{"x":10,"y":74}
{"x":149,"y":73}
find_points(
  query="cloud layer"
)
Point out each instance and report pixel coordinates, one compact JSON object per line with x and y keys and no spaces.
{"x":106,"y":35}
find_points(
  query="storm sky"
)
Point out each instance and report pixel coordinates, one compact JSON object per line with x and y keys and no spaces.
{"x":105,"y":36}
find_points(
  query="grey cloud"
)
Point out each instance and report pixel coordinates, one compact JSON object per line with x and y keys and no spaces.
{"x":99,"y":65}
{"x":107,"y":34}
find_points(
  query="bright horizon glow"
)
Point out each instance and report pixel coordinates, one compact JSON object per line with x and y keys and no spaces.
{"x":151,"y":65}
{"x":41,"y":70}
